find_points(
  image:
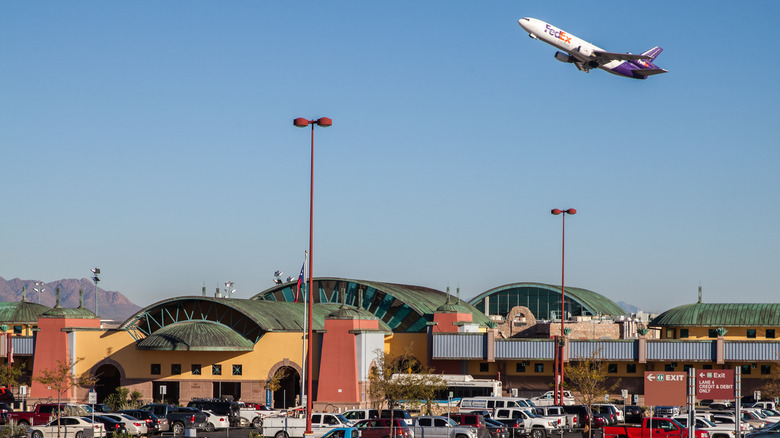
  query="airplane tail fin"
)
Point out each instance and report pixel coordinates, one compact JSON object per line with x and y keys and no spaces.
{"x":653,"y":53}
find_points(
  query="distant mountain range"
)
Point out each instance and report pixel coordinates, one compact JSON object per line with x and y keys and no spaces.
{"x":629,"y":308}
{"x":111,"y":305}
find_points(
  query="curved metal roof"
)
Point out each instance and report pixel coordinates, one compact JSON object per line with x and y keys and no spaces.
{"x":250,"y":319}
{"x":22,"y":312}
{"x":64,"y":312}
{"x":595,"y":303}
{"x":720,"y":315}
{"x":196,"y":336}
{"x":404,"y":308}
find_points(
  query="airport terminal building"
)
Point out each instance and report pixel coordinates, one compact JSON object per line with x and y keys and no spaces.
{"x":201,"y":346}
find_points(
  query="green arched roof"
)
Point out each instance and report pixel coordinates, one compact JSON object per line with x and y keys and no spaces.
{"x":64,"y":312}
{"x":404,"y":308}
{"x":196,"y":336}
{"x":22,"y":312}
{"x":720,"y":315}
{"x":590,"y":302}
{"x":249,"y":319}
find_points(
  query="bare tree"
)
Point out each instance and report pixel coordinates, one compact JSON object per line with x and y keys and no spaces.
{"x":588,"y":376}
{"x":62,"y":379}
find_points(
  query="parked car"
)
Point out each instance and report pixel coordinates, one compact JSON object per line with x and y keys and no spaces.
{"x":715,"y":430}
{"x":441,"y":427}
{"x":667,"y":411}
{"x":633,"y":414}
{"x":380,"y":428}
{"x":402,"y":414}
{"x":216,"y":421}
{"x":133,"y":425}
{"x":496,"y":429}
{"x":609,"y":412}
{"x":476,"y":421}
{"x":67,"y":427}
{"x":343,"y":432}
{"x":112,"y":426}
{"x":218,"y":406}
{"x":582,"y":412}
{"x":772,"y":431}
{"x":658,"y":427}
{"x":548,"y":398}
{"x":154,"y":424}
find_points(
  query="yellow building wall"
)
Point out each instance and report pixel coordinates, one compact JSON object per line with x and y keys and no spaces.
{"x":415,"y":344}
{"x":272,"y":351}
{"x":732,"y":334}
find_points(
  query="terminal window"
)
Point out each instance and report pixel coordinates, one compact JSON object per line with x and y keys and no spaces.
{"x":612,"y":368}
{"x":631,"y":368}
{"x":175,"y":369}
{"x":751,"y":333}
{"x":237,"y":370}
{"x":766,"y":369}
{"x":683,"y":333}
{"x":770,"y":333}
{"x":539,"y":367}
{"x":196,"y":369}
{"x":216,"y":370}
{"x":484,"y":367}
{"x":520,"y":367}
{"x":155,"y":369}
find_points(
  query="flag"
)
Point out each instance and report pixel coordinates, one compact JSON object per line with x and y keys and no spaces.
{"x":300,"y":282}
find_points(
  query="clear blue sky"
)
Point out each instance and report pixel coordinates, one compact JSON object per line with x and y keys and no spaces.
{"x":155,"y":140}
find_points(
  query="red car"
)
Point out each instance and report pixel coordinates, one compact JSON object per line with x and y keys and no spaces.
{"x":380,"y":428}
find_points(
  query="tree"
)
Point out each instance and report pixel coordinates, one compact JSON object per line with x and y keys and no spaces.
{"x":9,"y":376}
{"x":122,"y":398}
{"x":62,"y":379}
{"x":588,"y":376}
{"x":392,"y":381}
{"x":770,"y":389}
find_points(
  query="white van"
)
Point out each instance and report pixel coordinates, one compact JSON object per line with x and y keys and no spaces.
{"x":490,"y":404}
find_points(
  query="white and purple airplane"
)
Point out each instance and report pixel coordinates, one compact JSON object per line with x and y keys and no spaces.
{"x":586,"y":56}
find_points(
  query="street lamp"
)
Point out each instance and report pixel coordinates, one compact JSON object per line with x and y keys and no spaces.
{"x":302,"y":123}
{"x":95,"y":273}
{"x":562,"y":339}
{"x":39,"y":287}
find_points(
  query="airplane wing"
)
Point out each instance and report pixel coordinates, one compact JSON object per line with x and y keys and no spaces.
{"x":604,"y":57}
{"x":648,"y":72}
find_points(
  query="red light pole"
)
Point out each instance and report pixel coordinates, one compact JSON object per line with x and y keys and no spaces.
{"x":302,"y":123}
{"x":562,"y":339}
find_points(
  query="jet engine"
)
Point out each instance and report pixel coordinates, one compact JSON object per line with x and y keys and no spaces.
{"x":560,"y":56}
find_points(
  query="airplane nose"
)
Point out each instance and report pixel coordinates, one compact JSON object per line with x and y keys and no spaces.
{"x":524,"y":23}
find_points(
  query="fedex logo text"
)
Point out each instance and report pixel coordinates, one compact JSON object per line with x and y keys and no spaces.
{"x":561,"y":35}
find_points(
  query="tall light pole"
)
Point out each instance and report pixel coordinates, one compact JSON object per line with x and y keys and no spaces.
{"x":302,"y":123}
{"x":96,"y":279}
{"x":39,"y":287}
{"x":561,"y":341}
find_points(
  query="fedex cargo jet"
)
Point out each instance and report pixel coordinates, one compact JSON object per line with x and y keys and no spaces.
{"x":586,"y":56}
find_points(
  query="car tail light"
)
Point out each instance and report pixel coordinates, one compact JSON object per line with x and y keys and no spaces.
{"x":192,"y":419}
{"x":136,"y":424}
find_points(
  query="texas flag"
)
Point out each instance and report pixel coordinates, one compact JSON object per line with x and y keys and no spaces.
{"x":300,"y":282}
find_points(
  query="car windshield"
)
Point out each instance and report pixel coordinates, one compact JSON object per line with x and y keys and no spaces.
{"x":707,"y":422}
{"x":87,"y":419}
{"x":343,"y":419}
{"x":772,"y":412}
{"x":677,"y":423}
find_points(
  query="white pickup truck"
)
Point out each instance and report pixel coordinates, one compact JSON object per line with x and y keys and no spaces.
{"x":523,"y":422}
{"x":441,"y":427}
{"x":291,"y":427}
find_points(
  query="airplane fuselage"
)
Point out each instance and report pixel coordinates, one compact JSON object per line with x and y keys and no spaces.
{"x":586,"y":55}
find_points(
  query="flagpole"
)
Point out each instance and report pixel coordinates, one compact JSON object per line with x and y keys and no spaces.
{"x":305,"y":325}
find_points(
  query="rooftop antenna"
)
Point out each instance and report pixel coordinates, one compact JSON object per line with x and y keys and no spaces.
{"x":203,"y":291}
{"x":24,"y":293}
{"x":699,"y":292}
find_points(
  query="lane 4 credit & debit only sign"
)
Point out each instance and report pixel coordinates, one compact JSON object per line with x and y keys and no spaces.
{"x":715,"y":384}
